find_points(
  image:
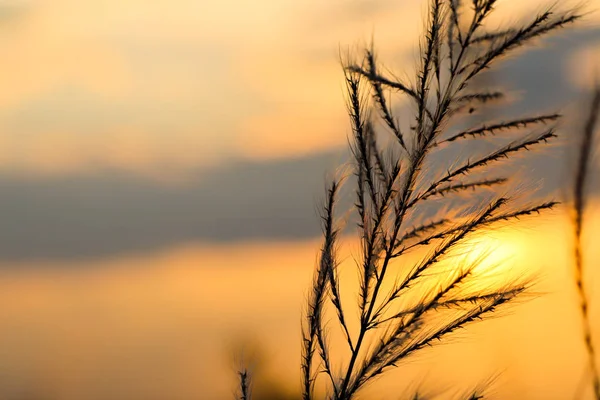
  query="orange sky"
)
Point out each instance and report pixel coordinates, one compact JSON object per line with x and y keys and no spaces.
{"x":166,"y":325}
{"x":179,"y":84}
{"x":163,"y":87}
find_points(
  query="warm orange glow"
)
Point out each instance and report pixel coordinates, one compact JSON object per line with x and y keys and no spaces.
{"x":169,"y":89}
{"x":171,"y":320}
{"x":138,"y":86}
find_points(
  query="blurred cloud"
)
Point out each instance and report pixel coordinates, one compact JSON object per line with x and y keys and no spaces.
{"x":236,"y":107}
{"x":131,"y":131}
{"x":161,"y":325}
{"x":12,"y":10}
{"x":166,"y":87}
{"x":106,"y":213}
{"x":103,"y":212}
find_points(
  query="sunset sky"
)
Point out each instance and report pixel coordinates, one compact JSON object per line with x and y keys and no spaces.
{"x":166,"y":87}
{"x":160,"y":166}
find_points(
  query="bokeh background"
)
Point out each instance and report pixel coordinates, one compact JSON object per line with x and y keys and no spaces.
{"x":160,"y":166}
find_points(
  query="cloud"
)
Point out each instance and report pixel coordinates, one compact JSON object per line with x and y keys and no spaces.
{"x":107,"y":213}
{"x":88,"y":78}
{"x":171,"y":86}
{"x":69,"y":129}
{"x":78,"y":163}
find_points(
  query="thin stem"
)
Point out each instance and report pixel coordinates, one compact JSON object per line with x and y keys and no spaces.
{"x":580,"y":184}
{"x":244,"y":384}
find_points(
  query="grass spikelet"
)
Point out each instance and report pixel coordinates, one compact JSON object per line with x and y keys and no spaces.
{"x":579,"y":203}
{"x":245,"y":384}
{"x":405,"y":307}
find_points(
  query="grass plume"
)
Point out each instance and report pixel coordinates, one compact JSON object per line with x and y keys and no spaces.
{"x":244,"y":391}
{"x":389,"y":193}
{"x":579,"y":203}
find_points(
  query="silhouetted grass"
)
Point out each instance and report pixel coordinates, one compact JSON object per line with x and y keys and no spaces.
{"x":244,"y":390}
{"x":579,"y":203}
{"x":392,"y":188}
{"x":400,"y":183}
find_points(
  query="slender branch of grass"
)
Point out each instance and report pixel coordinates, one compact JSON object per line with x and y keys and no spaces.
{"x":432,"y":38}
{"x":377,"y":360}
{"x":313,"y":333}
{"x":542,"y":24}
{"x":507,"y":216}
{"x":245,"y":382}
{"x":461,"y":187}
{"x":493,"y":36}
{"x":459,"y":234}
{"x":416,"y":342}
{"x":482,"y":97}
{"x":495,"y":156}
{"x":382,"y":80}
{"x":579,"y":208}
{"x":493,"y":129}
{"x":389,"y":194}
{"x":454,"y":28}
{"x":418,"y":231}
{"x":458,"y":302}
{"x":379,"y":96}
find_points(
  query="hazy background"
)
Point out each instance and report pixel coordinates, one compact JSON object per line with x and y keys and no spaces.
{"x":160,"y":163}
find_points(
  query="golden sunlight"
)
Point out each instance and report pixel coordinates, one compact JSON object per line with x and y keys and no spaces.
{"x":173,"y":223}
{"x":171,"y":320}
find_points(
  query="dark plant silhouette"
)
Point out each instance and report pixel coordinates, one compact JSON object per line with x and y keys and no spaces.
{"x":396,"y":189}
{"x":407,"y":201}
{"x":244,"y":389}
{"x":579,"y":205}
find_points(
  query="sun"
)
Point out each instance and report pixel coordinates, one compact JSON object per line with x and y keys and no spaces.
{"x":497,"y":252}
